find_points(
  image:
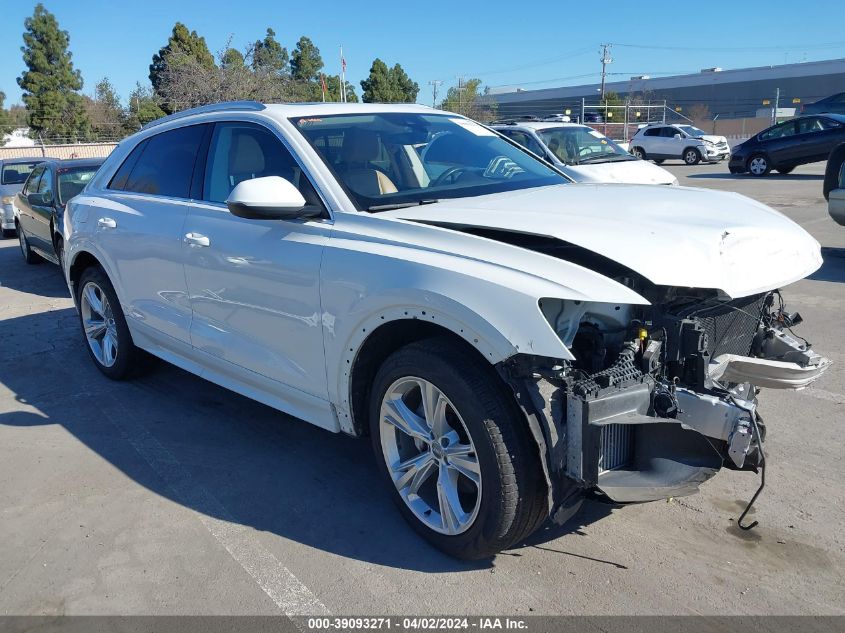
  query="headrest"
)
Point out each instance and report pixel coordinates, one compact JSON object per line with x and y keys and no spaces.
{"x":246,"y":155}
{"x":359,"y":146}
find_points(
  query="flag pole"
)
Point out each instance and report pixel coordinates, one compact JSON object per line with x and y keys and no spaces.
{"x":342,"y":76}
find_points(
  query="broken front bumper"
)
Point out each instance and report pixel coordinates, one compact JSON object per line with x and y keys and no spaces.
{"x":634,"y":437}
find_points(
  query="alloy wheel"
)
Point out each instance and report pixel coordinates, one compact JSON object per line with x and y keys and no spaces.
{"x":757,"y":166}
{"x":430,"y":455}
{"x":691,"y":157}
{"x":98,"y":323}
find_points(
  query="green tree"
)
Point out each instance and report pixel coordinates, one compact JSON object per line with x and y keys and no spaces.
{"x":269,"y":55}
{"x":377,"y":87}
{"x":105,"y":112}
{"x":191,"y":48}
{"x":406,"y":89}
{"x":232,"y":58}
{"x":143,"y":107}
{"x":305,"y":61}
{"x":50,"y":84}
{"x":333,"y":90}
{"x":4,"y":117}
{"x":466,"y":99}
{"x":388,"y":85}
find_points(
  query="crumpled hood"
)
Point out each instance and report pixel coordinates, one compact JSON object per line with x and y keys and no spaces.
{"x":714,"y":139}
{"x":673,"y":236}
{"x":639,"y":172}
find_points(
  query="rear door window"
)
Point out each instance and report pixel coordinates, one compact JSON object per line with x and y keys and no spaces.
{"x":165,"y":164}
{"x":652,"y":131}
{"x":810,"y":125}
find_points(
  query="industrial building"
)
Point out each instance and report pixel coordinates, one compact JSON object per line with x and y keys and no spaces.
{"x":730,"y":94}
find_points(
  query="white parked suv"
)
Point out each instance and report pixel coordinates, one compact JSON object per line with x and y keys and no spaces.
{"x":507,"y":339}
{"x":584,"y":154}
{"x":663,"y":141}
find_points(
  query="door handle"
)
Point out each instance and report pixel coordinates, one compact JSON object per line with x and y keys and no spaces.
{"x":106,"y":223}
{"x":195,"y":239}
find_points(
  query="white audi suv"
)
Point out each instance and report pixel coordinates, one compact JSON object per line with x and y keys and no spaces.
{"x":508,"y":340}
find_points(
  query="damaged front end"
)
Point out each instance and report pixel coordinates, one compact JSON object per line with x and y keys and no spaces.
{"x":658,"y":397}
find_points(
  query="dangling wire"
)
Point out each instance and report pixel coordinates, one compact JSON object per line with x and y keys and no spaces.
{"x":762,"y":479}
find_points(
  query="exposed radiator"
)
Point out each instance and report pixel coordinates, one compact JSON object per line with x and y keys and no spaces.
{"x":617,"y":446}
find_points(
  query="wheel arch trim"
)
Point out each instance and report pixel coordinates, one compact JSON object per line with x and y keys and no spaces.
{"x":436,"y":310}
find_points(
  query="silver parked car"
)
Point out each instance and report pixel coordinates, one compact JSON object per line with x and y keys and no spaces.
{"x":13,"y":175}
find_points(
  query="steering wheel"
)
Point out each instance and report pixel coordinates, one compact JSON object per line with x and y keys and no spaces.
{"x":452,"y":173}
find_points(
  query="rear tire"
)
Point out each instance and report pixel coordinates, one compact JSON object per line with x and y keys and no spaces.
{"x":104,"y":328}
{"x":692,"y":156}
{"x":658,"y":161}
{"x":504,"y":500}
{"x":29,"y":256}
{"x":758,"y":165}
{"x":785,"y":169}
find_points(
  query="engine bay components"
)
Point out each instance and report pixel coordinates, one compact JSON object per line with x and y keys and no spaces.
{"x":659,"y":398}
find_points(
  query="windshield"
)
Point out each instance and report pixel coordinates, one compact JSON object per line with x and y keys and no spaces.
{"x":17,"y":173}
{"x":398,"y":158}
{"x":580,"y":145}
{"x":72,"y":181}
{"x":691,"y":130}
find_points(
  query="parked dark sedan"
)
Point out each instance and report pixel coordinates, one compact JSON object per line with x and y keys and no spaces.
{"x":806,"y":139}
{"x":834,"y":104}
{"x":41,"y":205}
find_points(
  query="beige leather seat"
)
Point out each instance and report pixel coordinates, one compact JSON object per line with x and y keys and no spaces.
{"x":359,"y":149}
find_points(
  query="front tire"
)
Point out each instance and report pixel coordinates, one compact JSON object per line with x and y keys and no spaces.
{"x":638,"y":152}
{"x":759,"y":165}
{"x":9,"y":233}
{"x":455,"y":451}
{"x":692,"y":156}
{"x":29,"y":256}
{"x":104,"y":326}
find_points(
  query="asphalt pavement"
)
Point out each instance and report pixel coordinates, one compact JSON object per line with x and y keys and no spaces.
{"x":169,"y":495}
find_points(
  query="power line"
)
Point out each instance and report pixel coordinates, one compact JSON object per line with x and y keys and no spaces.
{"x":534,"y":64}
{"x":738,"y":49}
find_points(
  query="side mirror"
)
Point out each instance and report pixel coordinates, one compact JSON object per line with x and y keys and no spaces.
{"x":677,"y":136}
{"x":268,"y":198}
{"x":41,"y":199}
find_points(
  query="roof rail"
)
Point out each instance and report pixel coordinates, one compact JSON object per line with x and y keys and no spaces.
{"x":225,"y":106}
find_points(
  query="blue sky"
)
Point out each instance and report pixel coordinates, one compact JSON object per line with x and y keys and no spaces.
{"x":494,"y":40}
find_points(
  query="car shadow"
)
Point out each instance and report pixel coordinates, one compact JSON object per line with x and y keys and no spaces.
{"x":772,"y":176}
{"x":38,"y":279}
{"x":833,"y":266}
{"x":222,"y":454}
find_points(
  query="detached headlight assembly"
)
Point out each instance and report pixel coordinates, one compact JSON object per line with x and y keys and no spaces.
{"x":7,"y":199}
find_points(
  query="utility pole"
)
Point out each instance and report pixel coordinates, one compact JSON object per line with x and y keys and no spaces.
{"x":434,"y":83}
{"x":461,"y":95}
{"x":777,"y":103}
{"x":605,"y":60}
